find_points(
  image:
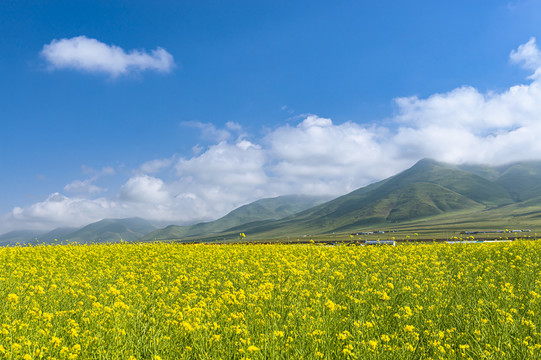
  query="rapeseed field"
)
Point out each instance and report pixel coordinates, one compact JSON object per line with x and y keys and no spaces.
{"x":173,"y":301}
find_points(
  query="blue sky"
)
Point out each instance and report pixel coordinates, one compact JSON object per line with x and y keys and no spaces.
{"x":178,"y":111}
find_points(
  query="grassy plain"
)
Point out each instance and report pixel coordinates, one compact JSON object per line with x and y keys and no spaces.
{"x":174,"y":301}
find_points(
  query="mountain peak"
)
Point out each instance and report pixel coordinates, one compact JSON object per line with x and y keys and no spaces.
{"x":428,"y":162}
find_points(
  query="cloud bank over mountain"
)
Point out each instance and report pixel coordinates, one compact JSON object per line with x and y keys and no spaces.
{"x":314,"y":156}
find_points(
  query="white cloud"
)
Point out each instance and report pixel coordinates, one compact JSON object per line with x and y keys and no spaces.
{"x":82,"y":53}
{"x":211,"y":132}
{"x":108,"y":170}
{"x":316,"y":156}
{"x":226,"y":165}
{"x":87,"y":186}
{"x":231,"y":125}
{"x":466,"y":125}
{"x":154,"y":166}
{"x":529,"y":56}
{"x":319,"y":156}
{"x":144,"y":189}
{"x":83,"y":186}
{"x":58,"y":210}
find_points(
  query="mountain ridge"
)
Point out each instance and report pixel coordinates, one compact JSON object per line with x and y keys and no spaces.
{"x":428,"y":189}
{"x":260,"y":210}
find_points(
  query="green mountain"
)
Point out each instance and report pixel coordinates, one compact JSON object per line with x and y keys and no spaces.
{"x":427,"y":190}
{"x":111,"y":230}
{"x":261,"y":210}
{"x":107,"y":230}
{"x":522,"y":179}
{"x":438,"y":194}
{"x":18,"y":236}
{"x":56,"y":235}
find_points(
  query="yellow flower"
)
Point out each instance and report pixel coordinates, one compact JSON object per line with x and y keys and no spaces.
{"x":14,"y":298}
{"x":368,"y":324}
{"x":409,"y":328}
{"x":330,"y":305}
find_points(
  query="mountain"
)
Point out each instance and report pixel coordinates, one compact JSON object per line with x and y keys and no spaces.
{"x":18,"y":236}
{"x":430,"y":191}
{"x":522,"y":179}
{"x":111,"y":230}
{"x":106,"y":230}
{"x":261,"y":210}
{"x":58,"y":235}
{"x":426,"y":190}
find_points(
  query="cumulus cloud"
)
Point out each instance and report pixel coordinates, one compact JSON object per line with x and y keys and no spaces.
{"x":58,"y":210}
{"x":141,"y":195}
{"x":223,"y":175}
{"x":529,"y":56}
{"x":156,"y":165}
{"x":91,"y":55}
{"x":88,"y":186}
{"x":144,"y":189}
{"x":319,"y":156}
{"x":315,"y":156}
{"x":464,"y":125}
{"x":211,"y":132}
{"x":83,"y":186}
{"x":236,"y":165}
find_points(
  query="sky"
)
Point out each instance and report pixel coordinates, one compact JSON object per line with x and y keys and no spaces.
{"x":181,"y":111}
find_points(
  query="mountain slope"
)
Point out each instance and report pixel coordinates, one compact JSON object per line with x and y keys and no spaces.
{"x":111,"y":230}
{"x":58,"y":234}
{"x":449,"y":181}
{"x":428,"y":188}
{"x":521,"y":179}
{"x":261,"y":210}
{"x":18,"y":236}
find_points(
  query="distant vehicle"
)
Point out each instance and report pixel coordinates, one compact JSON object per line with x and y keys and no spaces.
{"x":482,"y":232}
{"x":380,"y":242}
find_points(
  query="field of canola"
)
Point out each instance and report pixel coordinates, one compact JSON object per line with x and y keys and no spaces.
{"x":171,"y":301}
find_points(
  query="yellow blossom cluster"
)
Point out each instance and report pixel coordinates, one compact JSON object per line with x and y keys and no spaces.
{"x":175,"y":301}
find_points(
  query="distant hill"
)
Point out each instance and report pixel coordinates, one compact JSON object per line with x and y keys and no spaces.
{"x":261,"y":210}
{"x":111,"y":230}
{"x":426,"y":190}
{"x":18,"y":236}
{"x":58,"y":235}
{"x":522,"y":179}
{"x":106,"y":230}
